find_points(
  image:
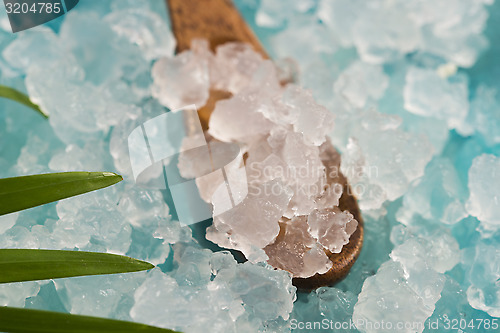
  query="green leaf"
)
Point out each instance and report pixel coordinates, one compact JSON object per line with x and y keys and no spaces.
{"x":24,"y":192}
{"x":19,"y":97}
{"x":17,"y":265}
{"x":14,"y":320}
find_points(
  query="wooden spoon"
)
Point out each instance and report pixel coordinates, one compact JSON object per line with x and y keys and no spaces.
{"x":219,"y":22}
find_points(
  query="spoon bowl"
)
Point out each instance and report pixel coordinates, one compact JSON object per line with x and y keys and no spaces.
{"x":219,"y":22}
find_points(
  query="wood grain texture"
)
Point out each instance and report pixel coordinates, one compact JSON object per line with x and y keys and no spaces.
{"x":218,"y":21}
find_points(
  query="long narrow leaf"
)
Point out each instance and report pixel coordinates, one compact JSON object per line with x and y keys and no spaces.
{"x":24,"y":192}
{"x":14,"y":320}
{"x":18,"y":265}
{"x":19,"y":97}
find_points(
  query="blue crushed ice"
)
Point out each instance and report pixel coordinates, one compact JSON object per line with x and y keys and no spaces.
{"x":414,"y":89}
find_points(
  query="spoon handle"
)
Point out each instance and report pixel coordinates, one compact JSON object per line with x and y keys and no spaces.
{"x":217,"y":21}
